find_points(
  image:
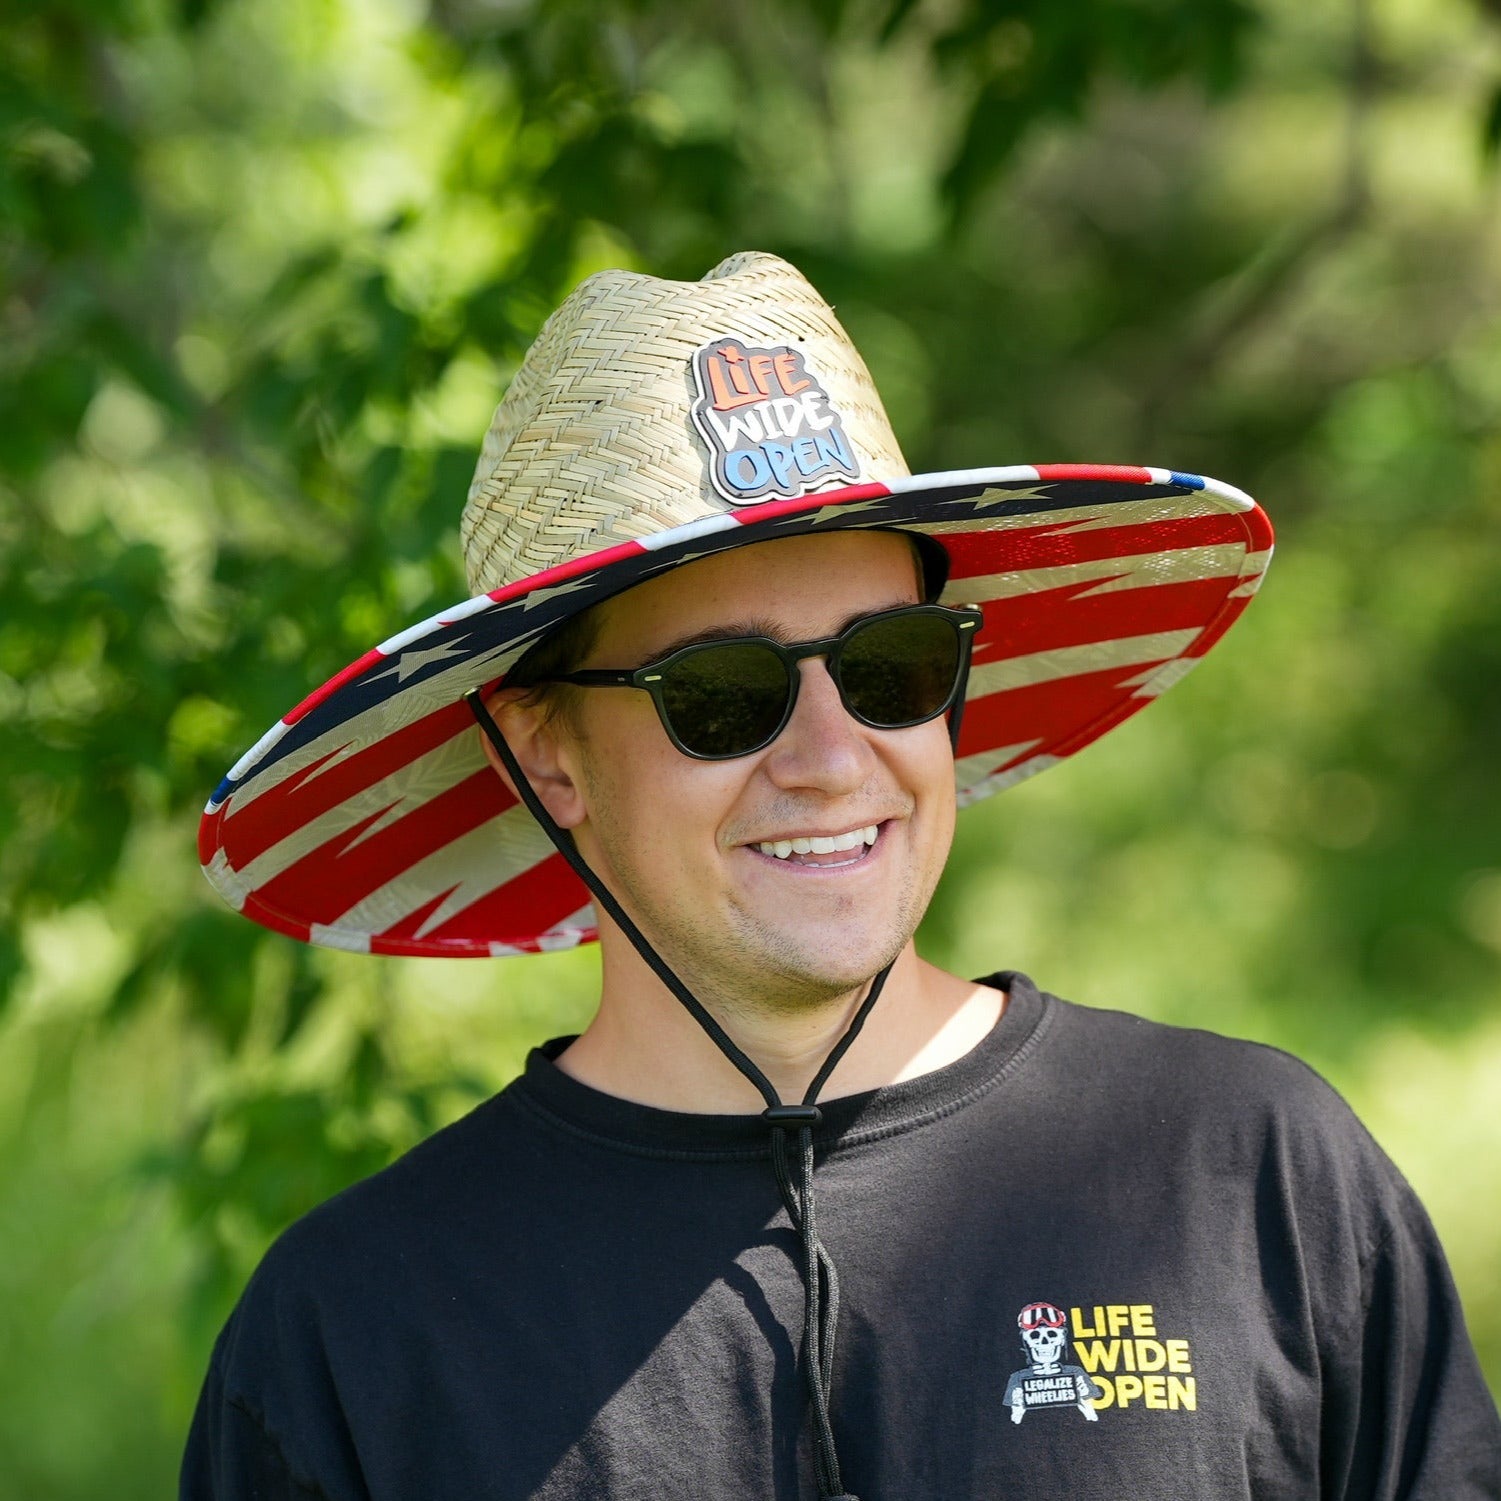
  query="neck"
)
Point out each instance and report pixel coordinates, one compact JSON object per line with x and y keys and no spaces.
{"x":644,"y":1046}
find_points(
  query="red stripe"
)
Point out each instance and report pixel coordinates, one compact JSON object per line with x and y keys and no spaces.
{"x":1051,"y":712}
{"x":517,"y":911}
{"x":1053,"y":618}
{"x":1217,"y":627}
{"x":1057,"y":543}
{"x":275,"y":814}
{"x":355,"y":669}
{"x":560,"y":573}
{"x":1128,"y":474}
{"x":329,"y":880}
{"x":208,"y":835}
{"x":307,"y":773}
{"x":770,"y":510}
{"x":1259,"y":526}
{"x":409,"y":948}
{"x":1097,"y":727}
{"x":461,"y":948}
{"x":277,"y":921}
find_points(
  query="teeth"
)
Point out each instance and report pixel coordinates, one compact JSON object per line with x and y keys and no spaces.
{"x":824,"y":844}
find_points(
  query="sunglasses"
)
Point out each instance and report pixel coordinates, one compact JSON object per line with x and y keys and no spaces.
{"x":722,"y":699}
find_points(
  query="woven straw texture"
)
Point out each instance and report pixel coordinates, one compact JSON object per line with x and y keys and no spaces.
{"x":593,"y":443}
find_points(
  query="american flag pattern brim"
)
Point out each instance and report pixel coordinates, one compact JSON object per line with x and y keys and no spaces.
{"x":368,"y":818}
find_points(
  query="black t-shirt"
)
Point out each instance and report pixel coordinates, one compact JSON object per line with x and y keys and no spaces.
{"x":1095,"y":1257}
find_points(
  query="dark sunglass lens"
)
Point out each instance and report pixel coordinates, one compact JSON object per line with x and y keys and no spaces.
{"x":901,"y":670}
{"x":725,"y":700}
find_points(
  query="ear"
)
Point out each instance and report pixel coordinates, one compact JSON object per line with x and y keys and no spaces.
{"x":542,"y":748}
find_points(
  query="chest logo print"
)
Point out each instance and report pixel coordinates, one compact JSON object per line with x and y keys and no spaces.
{"x":770,"y":428}
{"x":1093,"y":1358}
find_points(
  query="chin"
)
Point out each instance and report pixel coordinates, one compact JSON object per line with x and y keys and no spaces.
{"x":807,"y":972}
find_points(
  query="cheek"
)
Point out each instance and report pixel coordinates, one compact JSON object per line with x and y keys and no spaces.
{"x":656,"y":809}
{"x":926,"y":767}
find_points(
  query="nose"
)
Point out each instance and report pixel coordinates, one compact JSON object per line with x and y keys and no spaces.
{"x":823,"y":748}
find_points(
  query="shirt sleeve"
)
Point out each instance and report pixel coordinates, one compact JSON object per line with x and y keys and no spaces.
{"x":271,"y":1423}
{"x":231,"y":1457}
{"x":1408,"y":1415}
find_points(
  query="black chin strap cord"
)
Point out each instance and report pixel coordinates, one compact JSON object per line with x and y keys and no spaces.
{"x":794,"y":1179}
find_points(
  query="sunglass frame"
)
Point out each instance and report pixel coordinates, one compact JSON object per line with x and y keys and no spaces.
{"x":649,"y":678}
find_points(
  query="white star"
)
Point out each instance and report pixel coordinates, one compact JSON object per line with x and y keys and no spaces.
{"x":410,"y":662}
{"x":831,"y":513}
{"x":550,"y":592}
{"x":1003,"y":496}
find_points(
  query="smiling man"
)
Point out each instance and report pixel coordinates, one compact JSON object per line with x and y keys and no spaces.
{"x":798,"y":1215}
{"x":784,"y":878}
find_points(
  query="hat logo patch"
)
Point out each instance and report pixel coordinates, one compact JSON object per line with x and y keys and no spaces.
{"x":771,"y":431}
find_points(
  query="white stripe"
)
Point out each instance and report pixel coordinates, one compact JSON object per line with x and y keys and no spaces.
{"x":1155,"y":683}
{"x":338,"y":938}
{"x":1004,"y":779}
{"x":1144,"y":512}
{"x":259,"y":749}
{"x":1071,"y":661}
{"x":433,"y":624}
{"x":970,"y":771}
{"x":1145,"y":570}
{"x":704,"y":527}
{"x":498,"y":852}
{"x":1238,"y":499}
{"x":1252,"y":571}
{"x":570,"y":932}
{"x":401,"y":639}
{"x":226,"y":880}
{"x":947,"y":477}
{"x":553,"y":943}
{"x":1252,"y":568}
{"x":470,"y":607}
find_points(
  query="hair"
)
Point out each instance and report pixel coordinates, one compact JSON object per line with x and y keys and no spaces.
{"x":566,"y":647}
{"x":932,"y":564}
{"x":563,"y":649}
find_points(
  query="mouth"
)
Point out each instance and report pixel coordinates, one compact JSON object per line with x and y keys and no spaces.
{"x":822,"y":851}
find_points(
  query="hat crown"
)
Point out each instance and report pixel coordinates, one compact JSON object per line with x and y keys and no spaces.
{"x":645,"y":404}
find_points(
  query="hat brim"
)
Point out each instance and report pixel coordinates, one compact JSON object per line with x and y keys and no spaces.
{"x":368,"y":818}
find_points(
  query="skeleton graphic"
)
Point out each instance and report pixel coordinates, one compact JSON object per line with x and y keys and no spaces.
{"x":1047,"y":1381}
{"x":1044,"y":1341}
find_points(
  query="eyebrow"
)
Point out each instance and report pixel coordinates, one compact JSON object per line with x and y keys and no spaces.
{"x":761,"y":626}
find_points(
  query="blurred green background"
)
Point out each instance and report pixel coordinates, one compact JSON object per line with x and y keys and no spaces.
{"x":266,"y":266}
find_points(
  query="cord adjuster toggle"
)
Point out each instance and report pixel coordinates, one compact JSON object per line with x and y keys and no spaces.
{"x":792,"y":1115}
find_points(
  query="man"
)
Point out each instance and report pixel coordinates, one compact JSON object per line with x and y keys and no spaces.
{"x":798,"y":1214}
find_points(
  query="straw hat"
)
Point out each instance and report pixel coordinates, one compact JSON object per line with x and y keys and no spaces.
{"x":652,"y":423}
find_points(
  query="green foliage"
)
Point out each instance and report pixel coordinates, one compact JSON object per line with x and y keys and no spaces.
{"x":1490,"y":126}
{"x":266,"y":265}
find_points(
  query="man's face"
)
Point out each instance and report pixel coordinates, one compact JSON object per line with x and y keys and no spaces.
{"x":679,"y":840}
